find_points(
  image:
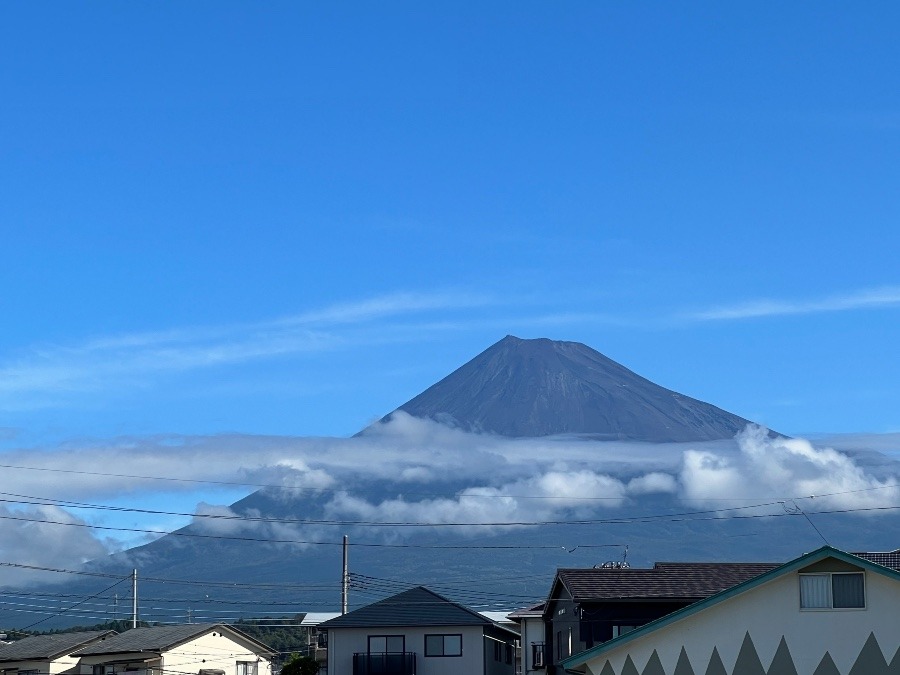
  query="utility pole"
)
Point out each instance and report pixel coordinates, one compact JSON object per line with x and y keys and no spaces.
{"x":345,"y":578}
{"x":134,"y":615}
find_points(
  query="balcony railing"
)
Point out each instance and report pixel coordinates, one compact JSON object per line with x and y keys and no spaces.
{"x":396,"y":663}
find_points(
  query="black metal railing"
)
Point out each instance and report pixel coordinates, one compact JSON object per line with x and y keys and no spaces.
{"x":396,"y":663}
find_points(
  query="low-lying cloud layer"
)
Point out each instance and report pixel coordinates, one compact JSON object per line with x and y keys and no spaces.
{"x":409,"y":471}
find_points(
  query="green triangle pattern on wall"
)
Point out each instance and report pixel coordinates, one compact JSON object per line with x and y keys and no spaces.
{"x":629,"y":667}
{"x":607,"y":669}
{"x":654,"y":665}
{"x":894,"y":668}
{"x":715,"y":667}
{"x":684,"y":667}
{"x":870,"y":660}
{"x":783,"y":662}
{"x":826,"y":666}
{"x":748,"y":662}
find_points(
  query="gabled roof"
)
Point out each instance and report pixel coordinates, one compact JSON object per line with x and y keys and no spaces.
{"x":415,"y":607}
{"x":665,"y":580}
{"x":40,"y":647}
{"x":163,"y":638}
{"x":805,"y":560}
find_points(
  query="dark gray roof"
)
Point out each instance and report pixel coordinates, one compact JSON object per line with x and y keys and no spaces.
{"x":526,"y":612}
{"x":884,"y":558}
{"x":161,"y":638}
{"x":415,"y":607}
{"x":663,"y":580}
{"x":40,"y":647}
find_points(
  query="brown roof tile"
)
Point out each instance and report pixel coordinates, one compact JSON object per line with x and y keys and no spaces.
{"x":663,"y":580}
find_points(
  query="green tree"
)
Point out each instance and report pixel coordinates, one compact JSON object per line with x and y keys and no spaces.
{"x":300,"y":665}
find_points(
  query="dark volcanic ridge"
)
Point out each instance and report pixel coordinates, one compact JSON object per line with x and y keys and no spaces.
{"x":528,"y":388}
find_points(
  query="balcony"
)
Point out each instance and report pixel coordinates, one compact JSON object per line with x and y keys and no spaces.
{"x":391,"y":663}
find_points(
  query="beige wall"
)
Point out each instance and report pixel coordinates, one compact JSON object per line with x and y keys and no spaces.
{"x":213,"y":650}
{"x":60,"y":665}
{"x":767,"y":613}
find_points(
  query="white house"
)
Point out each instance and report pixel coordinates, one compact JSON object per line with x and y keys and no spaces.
{"x":824,"y":613}
{"x":418,"y":632}
{"x":531,"y":631}
{"x":202,"y":649}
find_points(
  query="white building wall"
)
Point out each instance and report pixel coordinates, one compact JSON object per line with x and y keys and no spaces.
{"x":769,"y":612}
{"x":213,"y":650}
{"x":532,"y":630}
{"x":344,"y":642}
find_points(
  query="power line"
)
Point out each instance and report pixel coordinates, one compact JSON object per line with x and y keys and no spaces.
{"x":60,"y":613}
{"x":420,"y":494}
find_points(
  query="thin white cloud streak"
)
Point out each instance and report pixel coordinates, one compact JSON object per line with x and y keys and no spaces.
{"x":46,"y":374}
{"x":874,"y":298}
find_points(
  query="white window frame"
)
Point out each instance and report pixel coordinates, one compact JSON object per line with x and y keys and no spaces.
{"x":830,"y":592}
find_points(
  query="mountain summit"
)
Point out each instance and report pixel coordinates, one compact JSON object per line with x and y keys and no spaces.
{"x":527,"y":388}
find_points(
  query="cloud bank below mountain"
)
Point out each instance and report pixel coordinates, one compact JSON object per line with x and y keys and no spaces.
{"x":414,"y":471}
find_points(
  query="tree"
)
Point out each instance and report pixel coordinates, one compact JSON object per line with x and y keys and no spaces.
{"x":300,"y":665}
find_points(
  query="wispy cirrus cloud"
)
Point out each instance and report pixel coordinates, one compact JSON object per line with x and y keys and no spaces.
{"x":38,"y":376}
{"x":873,"y":298}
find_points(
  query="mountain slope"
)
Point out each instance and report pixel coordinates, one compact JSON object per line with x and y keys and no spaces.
{"x":526,"y":388}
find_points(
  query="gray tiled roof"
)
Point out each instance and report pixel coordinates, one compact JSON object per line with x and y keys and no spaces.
{"x":415,"y":607}
{"x":161,"y":638}
{"x":663,"y":580}
{"x":40,"y":647}
{"x":884,"y":558}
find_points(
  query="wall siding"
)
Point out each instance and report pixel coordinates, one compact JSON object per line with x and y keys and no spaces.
{"x":763,"y":632}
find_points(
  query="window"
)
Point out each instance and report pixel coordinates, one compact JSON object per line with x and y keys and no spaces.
{"x":386,"y":644}
{"x":443,"y":645}
{"x":621,"y":630}
{"x":498,"y":651}
{"x":537,"y":654}
{"x":833,"y":590}
{"x":246,"y":668}
{"x":509,"y":654}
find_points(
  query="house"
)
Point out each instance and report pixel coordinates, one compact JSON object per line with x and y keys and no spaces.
{"x":591,"y":606}
{"x":47,"y":654}
{"x":201,"y":648}
{"x":825,"y":613}
{"x":316,"y":640}
{"x":531,"y":631}
{"x":418,"y":632}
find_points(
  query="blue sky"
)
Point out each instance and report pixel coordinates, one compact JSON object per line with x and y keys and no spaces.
{"x":705,"y":193}
{"x":286,"y":219}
